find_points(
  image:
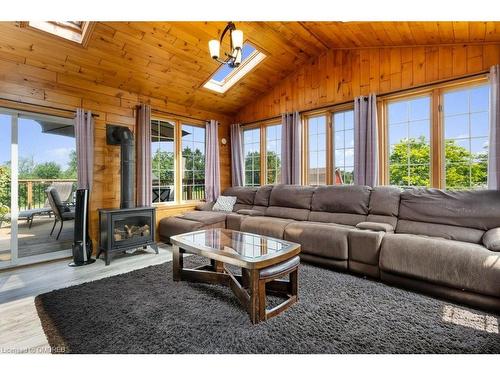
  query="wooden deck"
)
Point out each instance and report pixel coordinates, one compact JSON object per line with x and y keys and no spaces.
{"x":36,"y":240}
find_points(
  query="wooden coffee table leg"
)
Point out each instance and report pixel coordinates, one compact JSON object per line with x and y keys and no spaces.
{"x":253,"y":306}
{"x":294,"y":283}
{"x":177,"y":263}
{"x":262,"y":300}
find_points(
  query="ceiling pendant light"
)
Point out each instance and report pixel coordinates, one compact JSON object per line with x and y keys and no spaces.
{"x":233,"y":58}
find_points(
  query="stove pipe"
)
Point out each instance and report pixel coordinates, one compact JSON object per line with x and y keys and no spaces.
{"x":125,"y":138}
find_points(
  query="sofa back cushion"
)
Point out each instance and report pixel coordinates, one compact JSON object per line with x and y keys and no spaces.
{"x":292,"y":196}
{"x":349,"y":199}
{"x":449,"y":232}
{"x":337,"y":218}
{"x":262,"y":195}
{"x":288,"y":213}
{"x":244,"y":195}
{"x":479,"y":209}
{"x":384,"y":205}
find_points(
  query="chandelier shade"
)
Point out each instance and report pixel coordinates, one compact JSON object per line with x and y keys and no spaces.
{"x":234,"y":57}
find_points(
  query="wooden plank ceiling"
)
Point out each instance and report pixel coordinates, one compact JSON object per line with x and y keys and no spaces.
{"x":170,"y":60}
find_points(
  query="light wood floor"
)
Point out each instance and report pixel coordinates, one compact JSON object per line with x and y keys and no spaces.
{"x":37,"y":239}
{"x":20,"y":328}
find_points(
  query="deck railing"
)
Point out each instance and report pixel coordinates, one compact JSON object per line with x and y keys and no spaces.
{"x":32,"y":191}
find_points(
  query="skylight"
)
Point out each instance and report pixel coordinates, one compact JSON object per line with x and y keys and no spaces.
{"x":225,"y":77}
{"x":76,"y":31}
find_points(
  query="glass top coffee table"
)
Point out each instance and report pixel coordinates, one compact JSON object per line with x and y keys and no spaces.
{"x":264,"y":261}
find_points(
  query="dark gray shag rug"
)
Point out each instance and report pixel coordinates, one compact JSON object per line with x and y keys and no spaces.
{"x":144,"y":311}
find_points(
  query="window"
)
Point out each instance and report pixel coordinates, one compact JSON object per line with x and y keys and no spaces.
{"x":438,"y":137}
{"x":163,"y":160}
{"x":177,"y":161}
{"x":343,"y":143}
{"x":409,"y":123}
{"x":316,"y":135}
{"x":75,"y":31}
{"x":225,"y":76}
{"x":466,"y":130}
{"x":273,"y":154}
{"x":251,"y":152}
{"x":193,"y":162}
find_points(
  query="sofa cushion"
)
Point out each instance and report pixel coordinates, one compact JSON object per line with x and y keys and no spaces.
{"x":288,"y":213}
{"x":321,"y":239}
{"x":250,"y":212}
{"x":384,"y":200}
{"x":478,"y":209}
{"x":262,"y":195}
{"x":244,"y":195}
{"x":337,"y":218}
{"x":293,"y":196}
{"x":266,"y":226}
{"x":449,"y":232}
{"x":364,"y":246}
{"x":204,"y":206}
{"x":351,"y":199}
{"x":454,"y":264}
{"x":171,"y":226}
{"x":205,"y":217}
{"x":391,"y":220}
{"x":377,"y":227}
{"x":240,"y":206}
{"x":234,"y":220}
{"x":491,"y":239}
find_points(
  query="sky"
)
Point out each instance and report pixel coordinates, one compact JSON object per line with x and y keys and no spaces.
{"x":32,"y":142}
{"x":225,"y":69}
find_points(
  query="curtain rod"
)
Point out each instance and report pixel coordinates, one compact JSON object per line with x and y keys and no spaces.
{"x":483,"y":72}
{"x":44,"y":106}
{"x":176,"y":115}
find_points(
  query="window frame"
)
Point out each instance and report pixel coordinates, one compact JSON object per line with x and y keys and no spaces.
{"x":262,"y":126}
{"x":428,"y":93}
{"x":437,"y":137}
{"x":178,"y":171}
{"x":330,"y":142}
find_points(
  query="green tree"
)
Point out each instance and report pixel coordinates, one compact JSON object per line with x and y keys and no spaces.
{"x":163,"y":167}
{"x":48,"y":169}
{"x":5,"y":185}
{"x":26,"y":166}
{"x":410,"y":160}
{"x":273,"y":168}
{"x":71,"y":171}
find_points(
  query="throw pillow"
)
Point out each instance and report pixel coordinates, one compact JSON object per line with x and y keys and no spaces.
{"x":224,"y":203}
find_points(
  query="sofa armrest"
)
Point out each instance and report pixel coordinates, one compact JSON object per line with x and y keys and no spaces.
{"x":205,"y":206}
{"x":377,"y":227}
{"x":491,"y":239}
{"x":250,"y":212}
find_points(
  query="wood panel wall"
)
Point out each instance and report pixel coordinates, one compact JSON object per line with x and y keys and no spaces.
{"x":30,"y":88}
{"x":340,"y":75}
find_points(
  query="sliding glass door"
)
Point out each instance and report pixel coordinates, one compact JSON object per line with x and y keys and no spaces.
{"x":37,"y":159}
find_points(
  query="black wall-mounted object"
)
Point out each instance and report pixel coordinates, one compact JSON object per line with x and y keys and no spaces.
{"x":123,"y":229}
{"x":121,"y":135}
{"x":82,"y":245}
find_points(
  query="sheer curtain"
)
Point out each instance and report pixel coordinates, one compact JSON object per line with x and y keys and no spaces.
{"x":212,"y":166}
{"x":236,"y":155}
{"x":494,"y":143}
{"x":365,"y":141}
{"x":84,"y":135}
{"x":290,"y":148}
{"x":143,"y":152}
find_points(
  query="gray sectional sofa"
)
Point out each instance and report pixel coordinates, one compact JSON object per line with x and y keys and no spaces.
{"x":446,"y":243}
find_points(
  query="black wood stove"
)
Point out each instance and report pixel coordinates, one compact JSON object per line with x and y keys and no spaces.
{"x":123,"y":229}
{"x":128,"y":227}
